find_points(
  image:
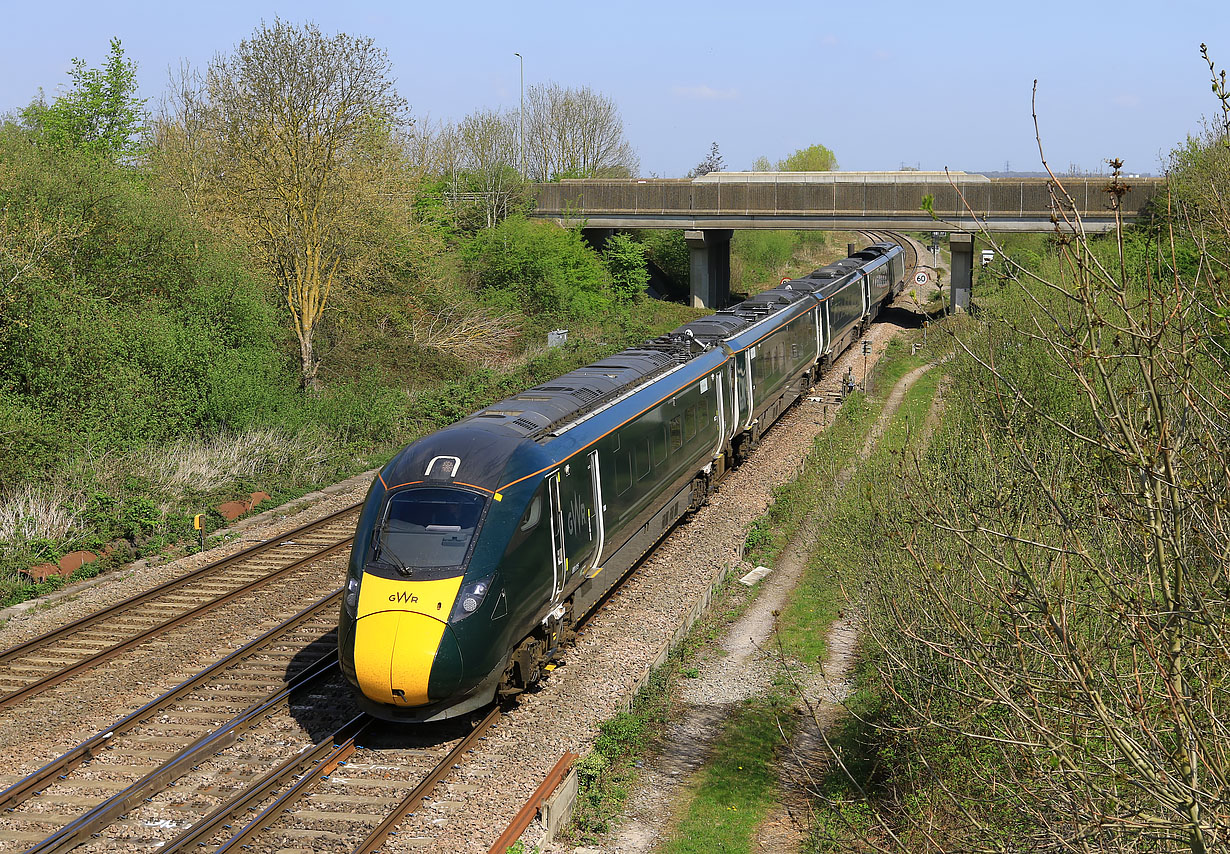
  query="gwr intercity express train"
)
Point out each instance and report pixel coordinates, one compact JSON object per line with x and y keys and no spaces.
{"x":479,"y":546}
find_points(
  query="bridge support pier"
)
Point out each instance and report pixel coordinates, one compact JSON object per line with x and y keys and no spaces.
{"x":709,"y":258}
{"x":962,"y":247}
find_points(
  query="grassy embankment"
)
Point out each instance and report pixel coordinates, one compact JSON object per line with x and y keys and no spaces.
{"x":739,"y":784}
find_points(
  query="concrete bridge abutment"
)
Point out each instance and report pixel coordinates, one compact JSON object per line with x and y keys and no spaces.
{"x":709,"y":265}
{"x":961,"y":245}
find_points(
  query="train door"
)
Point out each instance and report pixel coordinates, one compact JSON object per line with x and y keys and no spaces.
{"x":579,"y":497}
{"x":743,"y":376}
{"x":559,"y":555}
{"x":599,"y":513}
{"x":826,"y":330}
{"x":728,"y":374}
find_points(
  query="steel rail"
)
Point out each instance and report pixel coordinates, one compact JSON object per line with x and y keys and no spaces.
{"x":423,"y":789}
{"x":194,"y":837}
{"x":344,"y":744}
{"x":168,"y":586}
{"x":98,"y":817}
{"x":26,"y":787}
{"x":123,"y":646}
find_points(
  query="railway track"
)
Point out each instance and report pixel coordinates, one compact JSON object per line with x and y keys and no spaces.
{"x":71,"y":797}
{"x":40,"y":663}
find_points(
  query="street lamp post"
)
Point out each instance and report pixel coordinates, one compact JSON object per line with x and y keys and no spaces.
{"x":521,"y":113}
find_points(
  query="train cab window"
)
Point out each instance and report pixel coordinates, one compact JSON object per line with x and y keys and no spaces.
{"x":676,"y":427}
{"x":659,"y":445}
{"x":623,"y":473}
{"x":429,"y":528}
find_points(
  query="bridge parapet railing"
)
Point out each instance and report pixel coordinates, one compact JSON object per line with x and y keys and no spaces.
{"x":1021,"y":198}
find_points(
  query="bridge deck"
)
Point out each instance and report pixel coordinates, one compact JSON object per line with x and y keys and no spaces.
{"x":834,"y":200}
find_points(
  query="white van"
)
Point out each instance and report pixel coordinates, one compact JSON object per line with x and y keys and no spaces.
{"x":987,"y":257}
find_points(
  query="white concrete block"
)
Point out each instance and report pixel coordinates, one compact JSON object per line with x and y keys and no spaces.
{"x":754,"y":576}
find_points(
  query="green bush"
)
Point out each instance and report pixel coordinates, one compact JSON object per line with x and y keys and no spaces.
{"x":667,"y":249}
{"x":625,"y":260}
{"x":539,"y":269}
{"x":136,"y":326}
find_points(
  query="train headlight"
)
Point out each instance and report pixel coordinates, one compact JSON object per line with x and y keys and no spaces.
{"x":469,"y":597}
{"x":351,"y":596}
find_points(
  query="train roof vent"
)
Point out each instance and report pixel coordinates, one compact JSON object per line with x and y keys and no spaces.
{"x":529,"y":422}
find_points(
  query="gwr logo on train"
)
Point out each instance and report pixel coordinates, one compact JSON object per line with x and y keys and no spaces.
{"x":579,"y":514}
{"x":403,"y":596}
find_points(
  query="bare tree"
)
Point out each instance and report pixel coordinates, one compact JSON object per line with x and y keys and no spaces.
{"x":479,"y":156}
{"x":712,"y":162}
{"x":575,"y":133}
{"x":304,"y":125}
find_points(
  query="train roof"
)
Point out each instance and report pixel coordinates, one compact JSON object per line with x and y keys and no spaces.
{"x":539,"y":411}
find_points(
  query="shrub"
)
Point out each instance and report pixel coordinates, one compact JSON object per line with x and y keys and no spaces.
{"x":539,"y":269}
{"x":625,"y":260}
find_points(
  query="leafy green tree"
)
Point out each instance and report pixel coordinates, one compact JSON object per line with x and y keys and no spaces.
{"x":814,"y":158}
{"x":625,"y":259}
{"x":100,"y":114}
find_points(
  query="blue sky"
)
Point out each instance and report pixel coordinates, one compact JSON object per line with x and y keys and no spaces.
{"x":932,"y":85}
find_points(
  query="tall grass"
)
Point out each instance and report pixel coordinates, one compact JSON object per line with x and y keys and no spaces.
{"x":33,"y":512}
{"x":195,"y":465}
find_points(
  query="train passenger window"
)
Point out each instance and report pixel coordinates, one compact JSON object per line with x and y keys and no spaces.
{"x":689,"y":416}
{"x":659,"y":445}
{"x":623,"y":473}
{"x":642,"y":461}
{"x":676,"y":432}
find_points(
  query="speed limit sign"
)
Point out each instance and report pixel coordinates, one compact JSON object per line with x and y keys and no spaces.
{"x":920,"y":278}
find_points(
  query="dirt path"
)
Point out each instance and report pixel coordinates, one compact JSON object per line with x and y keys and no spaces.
{"x":743,"y":668}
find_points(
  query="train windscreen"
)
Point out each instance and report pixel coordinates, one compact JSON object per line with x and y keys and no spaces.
{"x":429,"y":528}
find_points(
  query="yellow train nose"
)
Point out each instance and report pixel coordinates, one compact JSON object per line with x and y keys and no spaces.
{"x":396,"y":653}
{"x":402,"y":639}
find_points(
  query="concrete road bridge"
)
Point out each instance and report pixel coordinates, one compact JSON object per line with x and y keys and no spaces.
{"x":712,"y":207}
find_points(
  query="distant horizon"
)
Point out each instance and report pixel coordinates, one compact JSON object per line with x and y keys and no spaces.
{"x":940,"y":89}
